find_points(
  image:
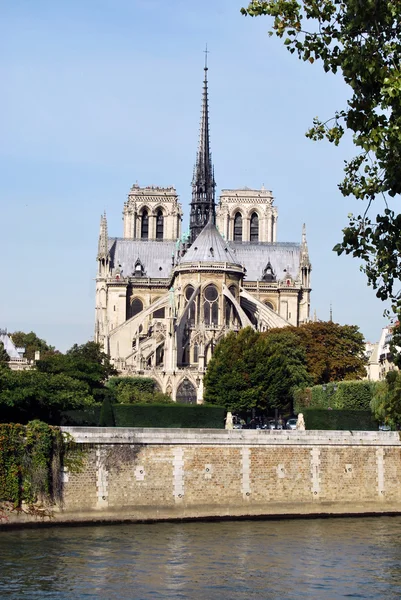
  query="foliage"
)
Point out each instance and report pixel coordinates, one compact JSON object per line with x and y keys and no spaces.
{"x":333,"y":352}
{"x":87,"y":364}
{"x":133,"y":390}
{"x":386,"y":402}
{"x":86,"y":417}
{"x":339,"y":420}
{"x":169,"y":415}
{"x":106,"y":418}
{"x":362,"y":40}
{"x":4,"y":358}
{"x":32,"y":343}
{"x":30,"y":463}
{"x":252,"y":370}
{"x":26,"y":395}
{"x":346,"y":395}
{"x":153,"y":415}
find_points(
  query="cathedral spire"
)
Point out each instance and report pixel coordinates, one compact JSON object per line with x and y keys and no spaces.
{"x":304,"y":248}
{"x":103,"y":248}
{"x":203,"y":182}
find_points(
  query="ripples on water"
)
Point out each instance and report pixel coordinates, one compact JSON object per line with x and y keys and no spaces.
{"x":324,"y":559}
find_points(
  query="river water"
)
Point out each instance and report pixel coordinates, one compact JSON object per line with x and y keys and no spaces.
{"x":322,"y":559}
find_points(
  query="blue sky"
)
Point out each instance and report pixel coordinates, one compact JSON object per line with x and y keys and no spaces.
{"x":98,"y":94}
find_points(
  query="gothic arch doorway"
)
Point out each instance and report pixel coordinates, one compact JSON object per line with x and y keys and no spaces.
{"x":186,"y":392}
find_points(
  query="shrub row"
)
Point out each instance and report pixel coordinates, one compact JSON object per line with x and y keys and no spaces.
{"x":348,"y":395}
{"x":151,"y":415}
{"x":340,"y":420}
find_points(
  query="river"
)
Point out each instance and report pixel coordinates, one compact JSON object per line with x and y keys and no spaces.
{"x":321,"y":559}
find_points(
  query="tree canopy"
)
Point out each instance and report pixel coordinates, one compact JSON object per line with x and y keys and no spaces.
{"x":333,"y":352}
{"x":32,"y":343}
{"x":386,"y":401}
{"x":31,"y":394}
{"x":86,"y":363}
{"x":361,"y":39}
{"x":250,"y":370}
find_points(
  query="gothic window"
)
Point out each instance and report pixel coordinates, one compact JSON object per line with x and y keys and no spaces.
{"x":189,"y":290}
{"x":233,"y":290}
{"x":160,"y":355}
{"x":254,"y":233}
{"x":160,"y":313}
{"x":211,"y":305}
{"x":196,"y":353}
{"x":186,"y":393}
{"x":136,"y":307}
{"x":238,"y":227}
{"x":159,"y":225}
{"x":145,"y":225}
{"x":269,"y":304}
{"x":227,"y":310}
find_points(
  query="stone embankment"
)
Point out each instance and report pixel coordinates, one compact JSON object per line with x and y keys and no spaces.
{"x":161,"y":474}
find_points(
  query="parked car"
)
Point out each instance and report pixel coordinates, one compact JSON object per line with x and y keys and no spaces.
{"x":384,"y":427}
{"x":291,"y":423}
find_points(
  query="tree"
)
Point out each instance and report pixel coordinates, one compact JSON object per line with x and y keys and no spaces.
{"x":136,"y":390}
{"x":106,"y":418}
{"x":26,"y":395}
{"x":362,"y":40}
{"x":333,"y":352}
{"x":4,"y":358}
{"x":32,"y":343}
{"x":86,"y":363}
{"x":386,"y":401}
{"x":249,"y":370}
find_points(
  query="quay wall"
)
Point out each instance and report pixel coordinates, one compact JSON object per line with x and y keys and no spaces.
{"x":162,"y":474}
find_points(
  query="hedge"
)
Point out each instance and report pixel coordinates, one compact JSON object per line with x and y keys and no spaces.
{"x":153,"y":415}
{"x":349,"y":395}
{"x":82,"y":418}
{"x":340,"y":420}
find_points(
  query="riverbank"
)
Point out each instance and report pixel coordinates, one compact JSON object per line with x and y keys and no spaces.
{"x":145,"y":475}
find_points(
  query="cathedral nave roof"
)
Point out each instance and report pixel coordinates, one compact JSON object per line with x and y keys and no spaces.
{"x":155,"y":256}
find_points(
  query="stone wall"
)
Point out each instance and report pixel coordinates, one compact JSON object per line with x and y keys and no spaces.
{"x":151,"y":474}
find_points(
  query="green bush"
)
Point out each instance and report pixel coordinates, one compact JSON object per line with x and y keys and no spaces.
{"x":136,"y":390}
{"x":349,"y":395}
{"x":340,"y":420}
{"x":169,"y":416}
{"x":89,"y":417}
{"x":106,"y":418}
{"x":152,"y":415}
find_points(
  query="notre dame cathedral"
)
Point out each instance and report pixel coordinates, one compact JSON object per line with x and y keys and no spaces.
{"x":164,"y":299}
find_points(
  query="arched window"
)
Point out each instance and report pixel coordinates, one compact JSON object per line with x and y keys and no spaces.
{"x":238,"y":227}
{"x":145,"y":225}
{"x":189,"y":290}
{"x":269,"y":304}
{"x":159,"y":225}
{"x":211,"y":305}
{"x":196,"y":353}
{"x":186,"y":393}
{"x":254,"y":233}
{"x":136,"y":307}
{"x":227,"y":310}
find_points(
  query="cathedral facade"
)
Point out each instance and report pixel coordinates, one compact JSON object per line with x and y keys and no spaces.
{"x":164,"y":299}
